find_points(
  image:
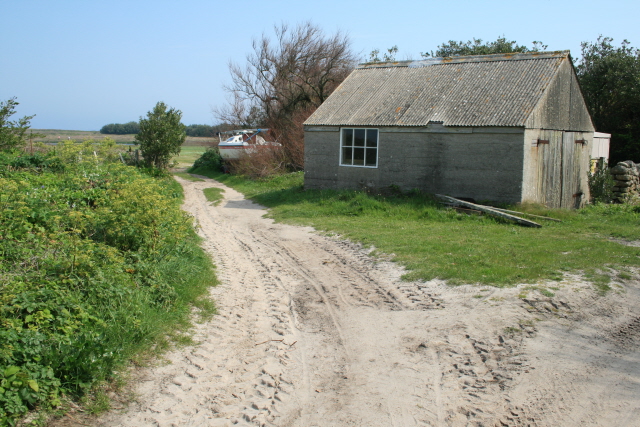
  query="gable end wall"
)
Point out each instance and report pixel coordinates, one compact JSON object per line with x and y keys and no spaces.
{"x":551,"y":172}
{"x":562,"y":106}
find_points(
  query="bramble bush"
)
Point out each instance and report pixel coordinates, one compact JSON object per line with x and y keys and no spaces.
{"x":260,"y":162}
{"x":97,"y":261}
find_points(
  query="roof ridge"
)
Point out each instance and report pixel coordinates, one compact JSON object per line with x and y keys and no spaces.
{"x":515,"y":56}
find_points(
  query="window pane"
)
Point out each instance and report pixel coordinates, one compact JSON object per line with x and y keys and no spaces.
{"x":372,"y":137}
{"x":372,"y":154}
{"x":359,"y":147}
{"x":359,"y":138}
{"x":347,"y":138}
{"x":347,"y":153}
{"x":358,"y":156}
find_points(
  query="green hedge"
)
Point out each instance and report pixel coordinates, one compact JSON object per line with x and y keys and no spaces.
{"x":97,"y":261}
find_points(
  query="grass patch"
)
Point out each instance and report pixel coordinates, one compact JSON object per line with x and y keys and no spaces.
{"x":290,"y":183}
{"x":600,"y":280}
{"x":432,"y":241}
{"x":213,"y":195}
{"x":623,"y":275}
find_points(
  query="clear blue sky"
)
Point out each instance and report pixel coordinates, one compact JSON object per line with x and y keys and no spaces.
{"x":81,"y":64}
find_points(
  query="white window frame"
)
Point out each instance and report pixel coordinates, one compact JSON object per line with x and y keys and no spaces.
{"x":353,"y":147}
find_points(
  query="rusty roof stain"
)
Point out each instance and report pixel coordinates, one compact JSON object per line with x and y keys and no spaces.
{"x":481,"y":90}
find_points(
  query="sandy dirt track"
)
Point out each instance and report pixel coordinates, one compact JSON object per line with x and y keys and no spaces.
{"x":311,"y":331}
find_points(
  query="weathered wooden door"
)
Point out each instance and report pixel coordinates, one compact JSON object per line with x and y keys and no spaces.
{"x":550,"y":168}
{"x":572,"y":156}
{"x":560,"y":158}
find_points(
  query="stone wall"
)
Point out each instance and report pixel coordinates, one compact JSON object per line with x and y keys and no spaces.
{"x":626,"y":180}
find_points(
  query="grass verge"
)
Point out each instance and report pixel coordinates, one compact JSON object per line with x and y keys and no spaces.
{"x":432,"y":241}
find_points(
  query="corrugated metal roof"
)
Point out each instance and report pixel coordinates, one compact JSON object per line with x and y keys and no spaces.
{"x":485,"y":90}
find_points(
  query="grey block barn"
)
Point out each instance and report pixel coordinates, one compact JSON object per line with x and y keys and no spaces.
{"x":505,"y":128}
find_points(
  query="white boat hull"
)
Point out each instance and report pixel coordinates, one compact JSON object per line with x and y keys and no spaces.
{"x":230,"y":152}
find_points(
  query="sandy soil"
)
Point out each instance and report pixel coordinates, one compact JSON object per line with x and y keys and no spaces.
{"x":312,"y":331}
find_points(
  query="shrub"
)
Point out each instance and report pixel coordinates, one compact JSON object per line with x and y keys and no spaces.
{"x":161,"y":135}
{"x":601,"y":185}
{"x":38,"y":161}
{"x":209,"y":160}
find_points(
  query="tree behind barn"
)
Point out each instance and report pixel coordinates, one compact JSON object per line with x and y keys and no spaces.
{"x":610,"y":81}
{"x":161,"y":135}
{"x":477,"y":47}
{"x":285,"y":80}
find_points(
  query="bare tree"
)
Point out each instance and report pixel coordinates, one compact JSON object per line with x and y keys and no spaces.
{"x":239,"y":112}
{"x":285,"y":80}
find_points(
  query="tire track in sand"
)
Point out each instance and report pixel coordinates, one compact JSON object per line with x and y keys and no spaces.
{"x":311,"y":331}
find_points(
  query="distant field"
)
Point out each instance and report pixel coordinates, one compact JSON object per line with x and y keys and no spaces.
{"x":189,"y":154}
{"x":56,"y":135}
{"x":191,"y":149}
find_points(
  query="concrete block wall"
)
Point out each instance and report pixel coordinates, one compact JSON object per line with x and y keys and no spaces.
{"x":477,"y":163}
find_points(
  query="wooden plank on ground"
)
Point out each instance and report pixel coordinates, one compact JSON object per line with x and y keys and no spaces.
{"x":525,"y":213}
{"x":489,"y":211}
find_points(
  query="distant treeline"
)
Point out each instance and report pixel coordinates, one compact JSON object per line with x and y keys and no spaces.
{"x":202,"y":130}
{"x":133,"y":127}
{"x":120,"y":128}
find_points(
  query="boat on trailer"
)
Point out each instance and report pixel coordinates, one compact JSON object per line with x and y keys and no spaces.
{"x":241,"y":141}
